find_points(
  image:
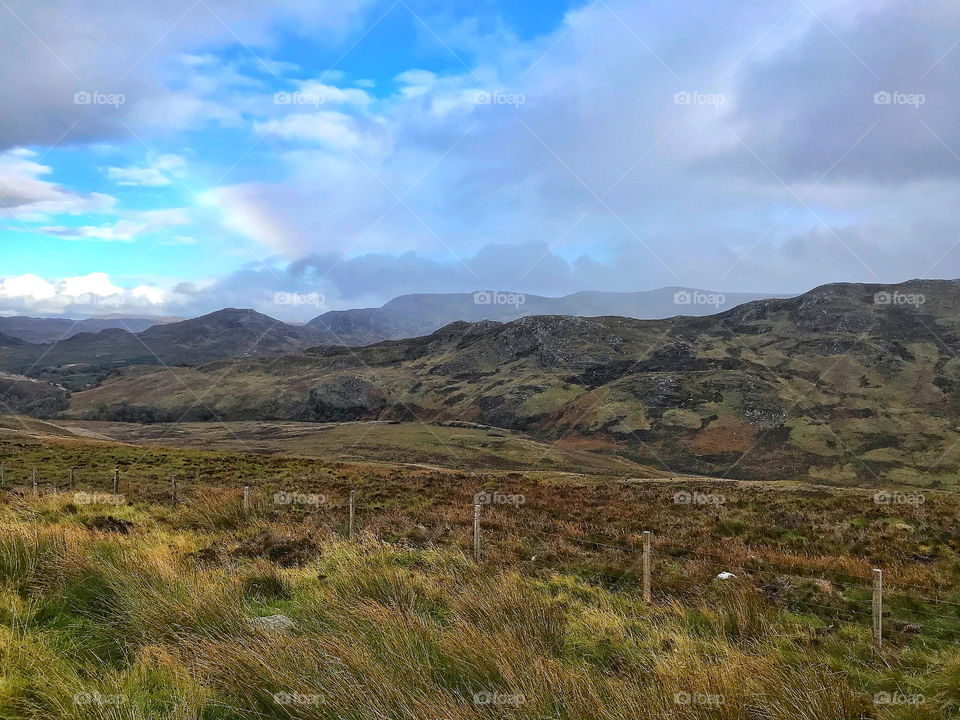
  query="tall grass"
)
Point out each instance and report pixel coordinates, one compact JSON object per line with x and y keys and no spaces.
{"x":156,"y":623}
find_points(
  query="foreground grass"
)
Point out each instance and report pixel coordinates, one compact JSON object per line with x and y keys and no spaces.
{"x":144,"y":611}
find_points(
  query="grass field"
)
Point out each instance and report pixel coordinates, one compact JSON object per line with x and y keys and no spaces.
{"x":461,"y":447}
{"x":134,"y":607}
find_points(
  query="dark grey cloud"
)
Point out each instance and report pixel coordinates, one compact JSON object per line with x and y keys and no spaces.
{"x":812,"y":107}
{"x":373,"y":279}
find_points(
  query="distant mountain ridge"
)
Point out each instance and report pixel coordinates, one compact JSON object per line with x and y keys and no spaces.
{"x":420,"y":314}
{"x":46,"y":330}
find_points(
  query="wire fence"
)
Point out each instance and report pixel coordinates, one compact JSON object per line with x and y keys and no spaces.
{"x":855,"y":603}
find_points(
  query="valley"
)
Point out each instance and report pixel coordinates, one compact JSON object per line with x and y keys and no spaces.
{"x":829,"y":387}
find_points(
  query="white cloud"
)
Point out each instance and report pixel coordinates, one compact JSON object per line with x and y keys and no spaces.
{"x":332,"y":95}
{"x":27,"y":287}
{"x":94,"y":293}
{"x":26,"y":194}
{"x":108,"y":233}
{"x":126,"y":229}
{"x":154,"y":174}
{"x":333,"y":129}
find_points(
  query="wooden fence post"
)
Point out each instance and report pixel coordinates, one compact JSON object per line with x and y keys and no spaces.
{"x":173,"y":490}
{"x":476,"y":532}
{"x":352,"y":512}
{"x":116,"y":478}
{"x":877,"y":608}
{"x":72,"y":470}
{"x":34,"y":479}
{"x":646,"y":566}
{"x":246,"y":498}
{"x":3,"y":477}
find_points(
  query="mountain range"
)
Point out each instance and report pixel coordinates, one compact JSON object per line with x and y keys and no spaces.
{"x":80,"y":359}
{"x":847,"y":383}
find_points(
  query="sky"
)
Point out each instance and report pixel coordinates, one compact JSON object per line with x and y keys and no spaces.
{"x":171,"y":159}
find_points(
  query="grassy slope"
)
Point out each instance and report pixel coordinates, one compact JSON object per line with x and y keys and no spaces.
{"x":153,"y":612}
{"x":152,"y":623}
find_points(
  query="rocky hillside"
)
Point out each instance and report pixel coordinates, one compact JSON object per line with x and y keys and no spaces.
{"x":9,"y":341}
{"x":846,"y":384}
{"x":19,"y":394}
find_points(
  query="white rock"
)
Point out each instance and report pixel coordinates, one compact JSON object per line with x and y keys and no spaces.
{"x":271,"y":622}
{"x":725,"y":576}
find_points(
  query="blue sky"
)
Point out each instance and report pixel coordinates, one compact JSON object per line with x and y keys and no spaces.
{"x":230,"y":153}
